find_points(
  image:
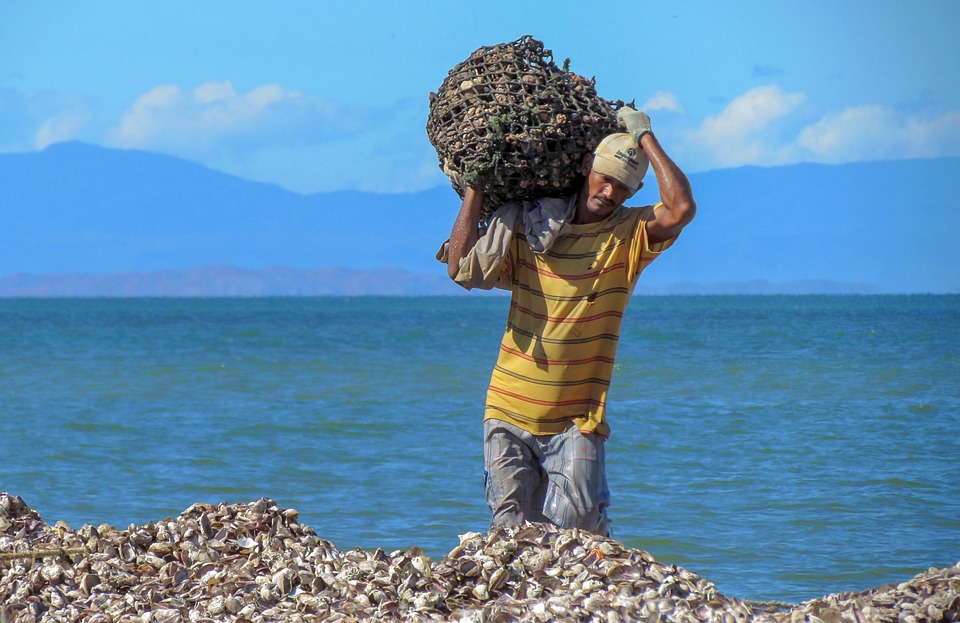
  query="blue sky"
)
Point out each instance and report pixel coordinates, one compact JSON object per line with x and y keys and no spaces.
{"x":318,"y":96}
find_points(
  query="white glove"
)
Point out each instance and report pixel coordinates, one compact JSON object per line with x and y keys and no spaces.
{"x":636,"y":122}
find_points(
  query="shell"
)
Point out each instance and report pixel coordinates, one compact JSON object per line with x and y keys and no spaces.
{"x":255,"y":562}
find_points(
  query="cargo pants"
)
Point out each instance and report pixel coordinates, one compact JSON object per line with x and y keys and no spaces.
{"x":559,"y":479}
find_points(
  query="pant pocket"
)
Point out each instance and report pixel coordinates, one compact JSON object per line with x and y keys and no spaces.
{"x":556,"y":506}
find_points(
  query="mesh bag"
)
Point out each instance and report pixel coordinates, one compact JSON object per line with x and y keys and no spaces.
{"x":509,"y":121}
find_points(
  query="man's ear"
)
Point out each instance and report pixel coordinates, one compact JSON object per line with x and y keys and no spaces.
{"x":635,"y":192}
{"x":586,"y":164}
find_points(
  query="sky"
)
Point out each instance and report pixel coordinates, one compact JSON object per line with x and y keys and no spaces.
{"x":318,"y":96}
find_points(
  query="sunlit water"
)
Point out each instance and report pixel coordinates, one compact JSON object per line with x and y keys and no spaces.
{"x":781,"y":447}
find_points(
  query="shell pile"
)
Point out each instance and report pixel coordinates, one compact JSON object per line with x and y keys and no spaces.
{"x":255,"y":562}
{"x":509,"y":121}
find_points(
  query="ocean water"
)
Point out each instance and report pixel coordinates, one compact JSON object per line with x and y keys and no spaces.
{"x":782,"y":447}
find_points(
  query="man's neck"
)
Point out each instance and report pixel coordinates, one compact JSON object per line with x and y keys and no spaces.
{"x":581,"y":212}
{"x":583,"y":216}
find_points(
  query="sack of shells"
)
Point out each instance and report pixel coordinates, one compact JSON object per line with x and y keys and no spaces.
{"x":509,"y":121}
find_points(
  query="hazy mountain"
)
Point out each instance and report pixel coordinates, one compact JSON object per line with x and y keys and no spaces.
{"x":891,"y":224}
{"x":98,"y":218}
{"x":232,"y":281}
{"x":78,"y":208}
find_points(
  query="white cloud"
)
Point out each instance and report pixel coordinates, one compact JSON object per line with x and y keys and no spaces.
{"x":662,"y":100}
{"x":768,"y":127}
{"x":750,"y":114}
{"x":310,"y":144}
{"x":747,"y":130}
{"x":34,"y":119}
{"x":880,"y":133}
{"x":66,"y":126}
{"x":213,"y":119}
{"x":395,"y":157}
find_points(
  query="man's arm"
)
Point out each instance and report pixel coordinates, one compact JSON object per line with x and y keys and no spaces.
{"x":678,"y":207}
{"x":465,"y":232}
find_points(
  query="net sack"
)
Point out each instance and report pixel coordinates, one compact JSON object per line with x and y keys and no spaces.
{"x":510,"y":122}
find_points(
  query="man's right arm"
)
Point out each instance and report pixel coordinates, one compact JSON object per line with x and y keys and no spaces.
{"x":465,"y":231}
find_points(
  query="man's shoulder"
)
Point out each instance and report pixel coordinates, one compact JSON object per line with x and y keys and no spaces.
{"x":630,"y":214}
{"x":637,"y":209}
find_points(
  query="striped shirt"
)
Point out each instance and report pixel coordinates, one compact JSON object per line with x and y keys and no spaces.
{"x":557,"y":354}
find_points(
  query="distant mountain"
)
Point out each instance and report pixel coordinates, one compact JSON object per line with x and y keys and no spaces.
{"x":89,"y":218}
{"x":216,"y":281}
{"x":754,"y":286}
{"x":893,"y":225}
{"x":231,"y":281}
{"x":78,"y":208}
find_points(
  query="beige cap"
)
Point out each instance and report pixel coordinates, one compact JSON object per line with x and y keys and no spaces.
{"x":619,"y":156}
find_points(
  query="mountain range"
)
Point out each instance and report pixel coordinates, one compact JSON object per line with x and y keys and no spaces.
{"x":81,"y":220}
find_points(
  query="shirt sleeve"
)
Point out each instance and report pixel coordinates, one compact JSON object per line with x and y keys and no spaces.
{"x":642,"y":253}
{"x":487,"y":265}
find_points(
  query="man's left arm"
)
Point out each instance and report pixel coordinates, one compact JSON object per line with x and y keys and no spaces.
{"x":678,"y":207}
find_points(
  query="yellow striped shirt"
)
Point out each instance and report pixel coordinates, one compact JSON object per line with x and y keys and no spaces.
{"x":557,"y":354}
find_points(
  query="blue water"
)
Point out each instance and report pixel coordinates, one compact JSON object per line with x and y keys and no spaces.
{"x":782,"y":447}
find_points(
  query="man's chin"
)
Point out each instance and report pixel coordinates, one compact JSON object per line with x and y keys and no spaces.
{"x":601,"y":208}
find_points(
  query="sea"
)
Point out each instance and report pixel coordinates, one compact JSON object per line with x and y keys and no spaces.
{"x":781,"y":447}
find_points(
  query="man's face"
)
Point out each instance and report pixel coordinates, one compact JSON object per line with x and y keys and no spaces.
{"x":602,"y":194}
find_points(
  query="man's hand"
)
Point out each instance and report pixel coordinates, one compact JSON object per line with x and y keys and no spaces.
{"x":636,"y":122}
{"x":453,"y":176}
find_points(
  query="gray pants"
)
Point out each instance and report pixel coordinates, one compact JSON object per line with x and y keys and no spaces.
{"x":559,"y":479}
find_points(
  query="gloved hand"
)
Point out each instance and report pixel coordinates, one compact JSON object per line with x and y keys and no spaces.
{"x":636,"y":122}
{"x":453,"y":176}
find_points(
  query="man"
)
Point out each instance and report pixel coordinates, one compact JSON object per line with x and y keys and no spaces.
{"x":545,"y":418}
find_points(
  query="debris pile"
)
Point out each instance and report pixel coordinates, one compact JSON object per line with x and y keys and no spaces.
{"x":255,"y":562}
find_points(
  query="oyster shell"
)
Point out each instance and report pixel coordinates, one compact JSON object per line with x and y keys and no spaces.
{"x":254,"y":562}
